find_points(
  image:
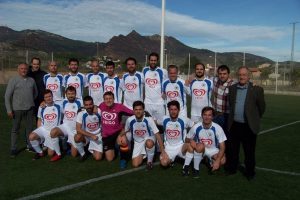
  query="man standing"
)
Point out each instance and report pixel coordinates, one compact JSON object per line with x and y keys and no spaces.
{"x":200,"y":91}
{"x":133,"y":82}
{"x":37,"y":74}
{"x":19,"y":102}
{"x":247,"y":105}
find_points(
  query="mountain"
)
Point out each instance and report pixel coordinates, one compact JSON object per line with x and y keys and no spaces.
{"x":42,"y":43}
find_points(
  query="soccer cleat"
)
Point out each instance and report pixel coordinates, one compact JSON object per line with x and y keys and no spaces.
{"x":123,"y":164}
{"x":185,"y":170}
{"x":83,"y":158}
{"x":196,"y":173}
{"x":172,"y":164}
{"x":55,"y":158}
{"x":149,"y":166}
{"x":38,"y":156}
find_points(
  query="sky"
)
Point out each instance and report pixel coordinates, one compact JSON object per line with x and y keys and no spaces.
{"x":261,"y":27}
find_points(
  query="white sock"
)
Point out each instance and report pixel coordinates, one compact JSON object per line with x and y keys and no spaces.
{"x":150,"y":154}
{"x":36,"y":146}
{"x":80,"y":149}
{"x":188,"y":158}
{"x":55,"y":143}
{"x":197,"y":159}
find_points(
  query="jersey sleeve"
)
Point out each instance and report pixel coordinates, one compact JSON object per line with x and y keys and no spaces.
{"x":85,"y":82}
{"x":126,"y":110}
{"x":127,"y":125}
{"x":189,"y":123}
{"x":220,"y":135}
{"x":191,"y":133}
{"x":39,"y":114}
{"x":153,"y":126}
{"x":79,"y":117}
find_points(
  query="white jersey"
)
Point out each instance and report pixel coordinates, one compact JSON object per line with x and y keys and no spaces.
{"x":50,"y":116}
{"x":90,"y":123}
{"x":95,"y":84}
{"x":133,"y":88}
{"x":78,"y":81}
{"x":200,"y":91}
{"x":211,"y":137}
{"x":140,"y":130}
{"x":175,"y":131}
{"x":70,"y":110}
{"x":153,"y":84}
{"x":175,"y":91}
{"x":113,"y":85}
{"x":55,"y":84}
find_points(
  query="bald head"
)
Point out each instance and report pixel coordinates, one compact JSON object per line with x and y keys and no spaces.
{"x":52,"y":66}
{"x":22,"y":69}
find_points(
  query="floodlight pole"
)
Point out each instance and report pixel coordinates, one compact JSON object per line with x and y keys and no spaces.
{"x":276,"y":77}
{"x":292,"y":50}
{"x":162,"y":33}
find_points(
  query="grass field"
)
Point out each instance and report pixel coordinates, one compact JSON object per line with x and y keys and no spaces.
{"x":278,"y":150}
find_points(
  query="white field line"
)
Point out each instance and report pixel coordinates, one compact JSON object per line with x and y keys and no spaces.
{"x":79,"y":184}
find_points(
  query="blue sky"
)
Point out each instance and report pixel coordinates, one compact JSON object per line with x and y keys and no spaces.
{"x":253,"y":26}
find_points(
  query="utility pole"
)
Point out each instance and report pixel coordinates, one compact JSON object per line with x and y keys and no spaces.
{"x":292,"y":50}
{"x":244,"y":59}
{"x":162,"y":32}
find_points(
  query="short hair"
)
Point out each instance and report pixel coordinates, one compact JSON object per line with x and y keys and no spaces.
{"x":223,"y":67}
{"x":35,"y":58}
{"x":47,"y":91}
{"x":154,"y":54}
{"x":138,"y":103}
{"x":174,"y":103}
{"x":172,"y":67}
{"x":130,"y":58}
{"x":199,"y":63}
{"x":94,"y":60}
{"x":71,"y":89}
{"x":22,"y":63}
{"x":109,"y":93}
{"x":208,"y":108}
{"x":88,"y":98}
{"x":74,"y":60}
{"x":110,"y":63}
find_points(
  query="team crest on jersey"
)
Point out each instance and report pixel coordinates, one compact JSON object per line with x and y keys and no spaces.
{"x":75,"y":85}
{"x":151,"y":82}
{"x":172,"y":94}
{"x":97,"y":78}
{"x":55,"y":80}
{"x":50,"y":117}
{"x":70,"y":114}
{"x":109,"y":116}
{"x":92,"y":126}
{"x":95,"y":85}
{"x":203,"y":85}
{"x":206,"y":142}
{"x":52,"y":87}
{"x":73,"y":107}
{"x":109,"y":88}
{"x":172,"y":133}
{"x":134,"y":79}
{"x":199,"y":92}
{"x":130,"y":86}
{"x":112,"y":82}
{"x":140,"y":133}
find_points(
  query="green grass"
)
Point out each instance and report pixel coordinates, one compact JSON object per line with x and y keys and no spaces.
{"x":276,"y":150}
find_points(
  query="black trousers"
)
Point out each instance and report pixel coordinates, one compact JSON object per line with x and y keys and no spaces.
{"x":240,"y":133}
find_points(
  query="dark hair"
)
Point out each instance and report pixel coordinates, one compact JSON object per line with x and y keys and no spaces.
{"x":47,"y":91}
{"x":154,"y":54}
{"x":74,"y":60}
{"x":110,"y":63}
{"x":199,"y":63}
{"x":174,"y":103}
{"x":172,"y":67}
{"x":138,"y":103}
{"x":94,"y":60}
{"x":208,"y":108}
{"x":223,"y":67}
{"x":130,"y":58}
{"x":71,"y":89}
{"x":35,"y":58}
{"x":88,"y":98}
{"x":109,"y":93}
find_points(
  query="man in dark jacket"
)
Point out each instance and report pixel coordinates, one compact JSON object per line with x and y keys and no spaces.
{"x":247,"y":105}
{"x":37,"y":74}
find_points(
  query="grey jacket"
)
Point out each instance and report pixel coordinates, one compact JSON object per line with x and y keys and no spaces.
{"x":254,"y":106}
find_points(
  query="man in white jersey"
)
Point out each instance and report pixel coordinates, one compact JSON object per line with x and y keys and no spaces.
{"x":154,"y":77}
{"x":209,"y":138}
{"x":95,"y":82}
{"x":75,"y":78}
{"x":143,"y":131}
{"x":133,"y":82}
{"x":174,"y":134}
{"x":112,"y":82}
{"x":200,"y":90}
{"x":88,"y":127}
{"x":54,"y":82}
{"x":48,"y":118}
{"x":70,"y":107}
{"x":174,"y":89}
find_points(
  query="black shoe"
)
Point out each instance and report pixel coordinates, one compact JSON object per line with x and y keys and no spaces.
{"x":38,"y":156}
{"x":149,"y":166}
{"x":30,"y":150}
{"x":83,"y":158}
{"x":185,"y":170}
{"x":13,"y":153}
{"x":196,"y":173}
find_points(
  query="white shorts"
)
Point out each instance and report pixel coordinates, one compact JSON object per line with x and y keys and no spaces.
{"x":95,"y":145}
{"x":139,"y":148}
{"x":210,"y":152}
{"x":68,"y":132}
{"x":157,"y":111}
{"x":174,"y":151}
{"x":45,"y":137}
{"x":196,"y":119}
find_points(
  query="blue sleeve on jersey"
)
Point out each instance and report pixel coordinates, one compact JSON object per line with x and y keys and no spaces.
{"x":145,"y":70}
{"x":165,"y":85}
{"x":140,"y":82}
{"x":131,"y":126}
{"x":147,"y":125}
{"x":85,"y":115}
{"x":215,"y":134}
{"x":181,"y":91}
{"x":161,"y":75}
{"x":196,"y":137}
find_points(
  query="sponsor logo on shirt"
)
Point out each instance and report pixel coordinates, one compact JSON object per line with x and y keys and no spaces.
{"x":109,"y":117}
{"x":206,"y":142}
{"x":109,"y":88}
{"x":140,"y":133}
{"x":50,"y":117}
{"x":151,"y":82}
{"x":95,"y":85}
{"x":75,"y":85}
{"x":172,"y":134}
{"x":199,"y":92}
{"x":172,"y":94}
{"x":93,"y":126}
{"x":130,"y":86}
{"x":70,"y":114}
{"x":52,"y":87}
